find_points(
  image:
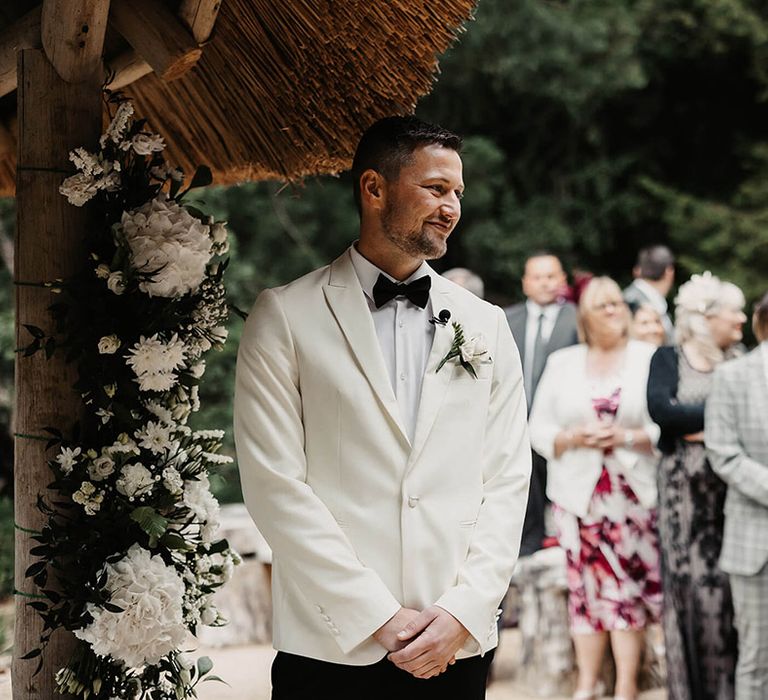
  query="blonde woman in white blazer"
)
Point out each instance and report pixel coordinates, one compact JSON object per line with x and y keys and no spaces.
{"x":590,"y":421}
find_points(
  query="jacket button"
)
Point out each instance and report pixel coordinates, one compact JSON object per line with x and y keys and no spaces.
{"x":413,"y":501}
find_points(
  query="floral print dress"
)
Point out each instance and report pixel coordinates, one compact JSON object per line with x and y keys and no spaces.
{"x":614,"y":581}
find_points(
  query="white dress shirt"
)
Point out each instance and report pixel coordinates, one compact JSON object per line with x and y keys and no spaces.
{"x":405,"y":337}
{"x":764,"y":347}
{"x":533,"y":311}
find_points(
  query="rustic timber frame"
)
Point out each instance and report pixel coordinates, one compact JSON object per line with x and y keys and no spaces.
{"x":53,"y":55}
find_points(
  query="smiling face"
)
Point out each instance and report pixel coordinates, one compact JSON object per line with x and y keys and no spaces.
{"x":420,"y":207}
{"x":603,"y":315}
{"x":647,"y":326}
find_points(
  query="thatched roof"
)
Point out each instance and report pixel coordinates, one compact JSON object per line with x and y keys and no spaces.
{"x":284,"y":89}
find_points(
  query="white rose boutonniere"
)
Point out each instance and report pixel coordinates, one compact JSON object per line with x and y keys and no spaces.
{"x":470,"y":352}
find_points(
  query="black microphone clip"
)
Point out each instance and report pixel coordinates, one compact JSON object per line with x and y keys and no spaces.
{"x":441,"y":319}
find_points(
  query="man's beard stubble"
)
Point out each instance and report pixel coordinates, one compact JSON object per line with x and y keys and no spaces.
{"x":417,"y":243}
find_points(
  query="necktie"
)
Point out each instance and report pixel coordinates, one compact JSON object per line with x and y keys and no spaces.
{"x":537,"y":366}
{"x":417,"y":292}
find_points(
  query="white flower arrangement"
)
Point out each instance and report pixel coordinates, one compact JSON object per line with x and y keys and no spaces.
{"x":151,"y":303}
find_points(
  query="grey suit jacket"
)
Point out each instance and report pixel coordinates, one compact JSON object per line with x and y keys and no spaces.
{"x":564,"y":333}
{"x":736,"y":435}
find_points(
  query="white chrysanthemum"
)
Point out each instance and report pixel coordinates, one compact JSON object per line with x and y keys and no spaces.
{"x":67,"y":458}
{"x":160,"y":412}
{"x":151,"y":623}
{"x":168,"y":242}
{"x":204,"y":506}
{"x":154,"y":437}
{"x":154,"y":362}
{"x":135,"y":480}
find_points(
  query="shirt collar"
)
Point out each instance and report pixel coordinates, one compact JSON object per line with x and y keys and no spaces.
{"x":368,"y":273}
{"x":655,"y":297}
{"x":535,"y":310}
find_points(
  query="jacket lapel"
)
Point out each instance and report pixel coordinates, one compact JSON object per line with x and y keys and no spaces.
{"x":347,"y":302}
{"x":435,"y":384}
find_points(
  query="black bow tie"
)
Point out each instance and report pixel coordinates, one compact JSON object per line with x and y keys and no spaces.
{"x":417,"y":292}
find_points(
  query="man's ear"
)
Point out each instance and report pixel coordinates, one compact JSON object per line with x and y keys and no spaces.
{"x":372,"y":188}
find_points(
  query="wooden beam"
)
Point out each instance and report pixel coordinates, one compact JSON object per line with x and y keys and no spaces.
{"x":127,"y":68}
{"x":55,"y":116}
{"x":157,"y":35}
{"x":24,"y":33}
{"x":199,"y":16}
{"x":73,"y":36}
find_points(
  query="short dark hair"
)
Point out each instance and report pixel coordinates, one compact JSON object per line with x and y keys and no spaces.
{"x":760,"y":318}
{"x":653,"y":261}
{"x":388,"y":144}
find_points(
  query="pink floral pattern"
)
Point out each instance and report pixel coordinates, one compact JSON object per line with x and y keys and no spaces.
{"x":614,"y":581}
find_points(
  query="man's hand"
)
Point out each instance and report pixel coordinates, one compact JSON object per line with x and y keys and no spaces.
{"x":436,"y":637}
{"x":387,"y":634}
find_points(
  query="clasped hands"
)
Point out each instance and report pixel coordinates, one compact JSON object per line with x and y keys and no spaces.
{"x":597,"y":435}
{"x":422,"y":643}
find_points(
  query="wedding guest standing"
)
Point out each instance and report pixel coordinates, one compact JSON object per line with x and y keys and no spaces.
{"x":700,"y":639}
{"x":646,"y":324}
{"x":591,"y":423}
{"x":542,"y":324}
{"x":736,"y":425}
{"x":654,"y":276}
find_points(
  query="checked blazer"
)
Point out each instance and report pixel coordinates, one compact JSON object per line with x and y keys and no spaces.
{"x":736,"y":436}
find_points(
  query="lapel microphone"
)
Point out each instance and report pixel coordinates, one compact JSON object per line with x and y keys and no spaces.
{"x":441,"y":319}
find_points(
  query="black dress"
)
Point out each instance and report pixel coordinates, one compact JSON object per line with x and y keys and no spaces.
{"x":699,"y":635}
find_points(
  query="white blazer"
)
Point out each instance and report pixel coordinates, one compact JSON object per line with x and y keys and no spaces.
{"x":359,"y":520}
{"x":563,"y":401}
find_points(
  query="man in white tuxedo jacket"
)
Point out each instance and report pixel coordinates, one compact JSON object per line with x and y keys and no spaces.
{"x":392,"y":493}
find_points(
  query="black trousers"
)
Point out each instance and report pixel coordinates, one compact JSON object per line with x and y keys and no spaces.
{"x":533,"y":525}
{"x":299,"y":678}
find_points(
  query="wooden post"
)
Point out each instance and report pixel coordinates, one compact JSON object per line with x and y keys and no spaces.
{"x":54,"y":117}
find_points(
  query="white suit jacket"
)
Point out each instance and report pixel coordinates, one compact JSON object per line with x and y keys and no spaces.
{"x":563,"y":401}
{"x":359,"y":520}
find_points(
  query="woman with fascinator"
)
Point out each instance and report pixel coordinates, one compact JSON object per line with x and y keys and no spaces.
{"x":698,"y":614}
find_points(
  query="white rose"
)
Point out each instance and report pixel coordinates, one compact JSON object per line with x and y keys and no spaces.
{"x":146,"y":144}
{"x":472,"y":349}
{"x":101,"y":468}
{"x":109,"y":344}
{"x":116,"y":282}
{"x":208,"y":615}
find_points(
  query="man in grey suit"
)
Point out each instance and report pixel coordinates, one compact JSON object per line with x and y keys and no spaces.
{"x":540,"y":325}
{"x":654,"y":276}
{"x":735,"y":428}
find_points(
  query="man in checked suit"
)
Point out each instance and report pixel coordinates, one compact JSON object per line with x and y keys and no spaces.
{"x":735,"y":433}
{"x":387,"y":467}
{"x":540,"y":325}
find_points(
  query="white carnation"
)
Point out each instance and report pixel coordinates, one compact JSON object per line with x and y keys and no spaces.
{"x":151,"y":623}
{"x":79,"y":189}
{"x":204,"y":506}
{"x":167,"y":242}
{"x":135,"y":480}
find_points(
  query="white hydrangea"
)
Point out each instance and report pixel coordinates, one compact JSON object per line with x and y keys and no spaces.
{"x":167,"y":241}
{"x":135,"y":480}
{"x":204,"y":506}
{"x":151,"y":624}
